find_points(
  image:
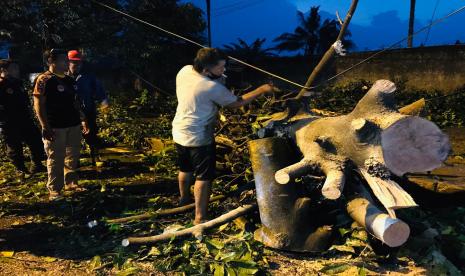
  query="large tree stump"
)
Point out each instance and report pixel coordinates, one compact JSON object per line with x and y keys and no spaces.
{"x":285,"y":215}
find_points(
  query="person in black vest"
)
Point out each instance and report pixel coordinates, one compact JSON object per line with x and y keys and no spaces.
{"x":16,"y":120}
{"x":58,"y":108}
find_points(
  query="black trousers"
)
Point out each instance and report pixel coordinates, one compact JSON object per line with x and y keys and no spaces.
{"x":15,"y":134}
{"x":91,"y":138}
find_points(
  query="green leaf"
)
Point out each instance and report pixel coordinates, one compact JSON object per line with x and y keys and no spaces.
{"x":334,"y":268}
{"x":154,"y":251}
{"x":215,"y":243}
{"x":231,"y":271}
{"x":226,"y":256}
{"x":355,"y":243}
{"x":344,"y":231}
{"x":244,"y":267}
{"x":343,"y":248}
{"x":186,"y":249}
{"x":360,"y":234}
{"x":362,"y":271}
{"x":217,"y":269}
{"x":222,"y":227}
{"x":95,"y":262}
{"x":128,"y":271}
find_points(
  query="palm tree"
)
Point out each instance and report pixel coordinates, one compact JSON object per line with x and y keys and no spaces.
{"x":311,"y":36}
{"x":305,"y":36}
{"x":327,"y":35}
{"x":249,"y":52}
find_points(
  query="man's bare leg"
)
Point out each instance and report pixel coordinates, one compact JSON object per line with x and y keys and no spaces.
{"x":202,"y":190}
{"x":186,"y":180}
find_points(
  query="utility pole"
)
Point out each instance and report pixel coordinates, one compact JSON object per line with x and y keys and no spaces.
{"x":209,"y":25}
{"x":410,"y":24}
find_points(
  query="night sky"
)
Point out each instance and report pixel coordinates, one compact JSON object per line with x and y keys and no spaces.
{"x":376,"y":23}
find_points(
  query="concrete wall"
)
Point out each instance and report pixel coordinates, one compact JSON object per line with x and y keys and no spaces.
{"x":424,"y":68}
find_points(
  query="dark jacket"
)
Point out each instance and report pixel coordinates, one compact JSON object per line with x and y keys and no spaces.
{"x":15,"y":105}
{"x":89,"y":90}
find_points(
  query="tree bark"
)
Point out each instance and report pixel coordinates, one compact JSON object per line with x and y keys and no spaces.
{"x":374,"y":138}
{"x":287,"y":222}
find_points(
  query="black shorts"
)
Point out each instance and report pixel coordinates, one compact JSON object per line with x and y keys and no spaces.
{"x":198,"y":160}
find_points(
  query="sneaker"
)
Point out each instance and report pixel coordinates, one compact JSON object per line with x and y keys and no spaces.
{"x":38,"y":168}
{"x":55,"y":196}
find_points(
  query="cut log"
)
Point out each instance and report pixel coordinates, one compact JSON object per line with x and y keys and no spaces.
{"x":334,"y":183}
{"x":287,"y":174}
{"x":391,"y":231}
{"x":413,"y":144}
{"x":196,"y":231}
{"x":286,"y":221}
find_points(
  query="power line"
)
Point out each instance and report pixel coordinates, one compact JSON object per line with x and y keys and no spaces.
{"x":200,"y":45}
{"x":277,"y":76}
{"x":393,"y":45}
{"x":432,"y":17}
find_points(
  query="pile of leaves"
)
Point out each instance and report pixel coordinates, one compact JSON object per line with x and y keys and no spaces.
{"x":131,"y":125}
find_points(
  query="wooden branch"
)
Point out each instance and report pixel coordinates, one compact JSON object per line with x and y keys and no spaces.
{"x":161,"y":213}
{"x":287,"y":174}
{"x":197,"y":230}
{"x":391,"y":231}
{"x":334,"y":184}
{"x":329,"y":53}
{"x":416,"y":108}
{"x":389,"y":193}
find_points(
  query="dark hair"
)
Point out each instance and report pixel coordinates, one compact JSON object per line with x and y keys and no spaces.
{"x":5,"y":63}
{"x":52,"y":55}
{"x":207,"y":57}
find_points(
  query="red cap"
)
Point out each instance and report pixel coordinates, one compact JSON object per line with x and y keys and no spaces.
{"x":74,"y":55}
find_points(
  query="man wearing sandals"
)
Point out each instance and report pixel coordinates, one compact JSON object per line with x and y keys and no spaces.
{"x":58,"y":110}
{"x":199,"y":92}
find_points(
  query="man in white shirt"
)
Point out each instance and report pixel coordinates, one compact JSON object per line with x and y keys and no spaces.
{"x":200,"y":92}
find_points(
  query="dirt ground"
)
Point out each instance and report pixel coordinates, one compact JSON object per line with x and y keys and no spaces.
{"x":38,"y":237}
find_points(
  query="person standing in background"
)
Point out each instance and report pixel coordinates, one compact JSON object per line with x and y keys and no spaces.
{"x":57,"y":106}
{"x":90,"y":90}
{"x":16,"y":120}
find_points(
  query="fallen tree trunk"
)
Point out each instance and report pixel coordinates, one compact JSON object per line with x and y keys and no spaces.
{"x":374,"y":137}
{"x":391,"y":231}
{"x":196,"y":231}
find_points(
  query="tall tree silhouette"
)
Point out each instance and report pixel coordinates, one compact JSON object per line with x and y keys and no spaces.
{"x":311,"y":36}
{"x":249,"y":52}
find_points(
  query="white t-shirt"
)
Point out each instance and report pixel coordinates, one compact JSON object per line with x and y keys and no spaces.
{"x":197,"y":111}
